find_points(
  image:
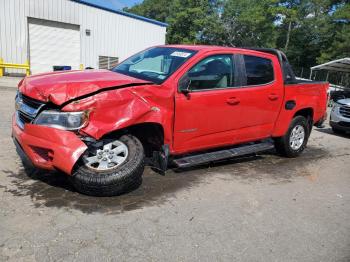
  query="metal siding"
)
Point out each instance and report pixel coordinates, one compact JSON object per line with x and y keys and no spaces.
{"x":3,"y":42}
{"x":111,"y":34}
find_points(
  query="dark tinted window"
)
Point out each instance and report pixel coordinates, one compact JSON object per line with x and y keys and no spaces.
{"x":259,"y":70}
{"x":212,"y":72}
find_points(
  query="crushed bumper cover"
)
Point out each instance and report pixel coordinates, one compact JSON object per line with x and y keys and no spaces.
{"x":46,"y":147}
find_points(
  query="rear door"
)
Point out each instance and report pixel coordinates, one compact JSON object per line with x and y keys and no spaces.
{"x":260,"y":96}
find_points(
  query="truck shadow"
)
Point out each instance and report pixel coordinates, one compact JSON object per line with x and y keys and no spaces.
{"x":329,"y":131}
{"x":52,"y":189}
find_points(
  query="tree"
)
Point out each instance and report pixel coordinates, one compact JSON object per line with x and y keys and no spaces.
{"x":340,"y":46}
{"x":189,"y":21}
{"x":248,"y":23}
{"x":154,"y":9}
{"x":288,"y":17}
{"x":309,"y":31}
{"x":312,"y":30}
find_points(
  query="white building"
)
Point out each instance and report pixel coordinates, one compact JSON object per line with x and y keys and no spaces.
{"x":72,"y":33}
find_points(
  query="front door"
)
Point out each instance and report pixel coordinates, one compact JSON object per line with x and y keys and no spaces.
{"x":207,"y":116}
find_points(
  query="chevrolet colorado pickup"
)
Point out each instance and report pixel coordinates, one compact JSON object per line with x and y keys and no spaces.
{"x":168,"y":105}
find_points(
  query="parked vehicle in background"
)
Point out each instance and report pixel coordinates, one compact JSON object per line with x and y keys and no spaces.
{"x":340,"y":116}
{"x":184,"y":105}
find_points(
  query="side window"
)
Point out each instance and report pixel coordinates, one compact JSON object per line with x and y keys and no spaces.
{"x":259,"y":70}
{"x":212,"y":72}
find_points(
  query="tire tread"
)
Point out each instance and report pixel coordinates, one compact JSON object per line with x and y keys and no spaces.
{"x":123,"y":179}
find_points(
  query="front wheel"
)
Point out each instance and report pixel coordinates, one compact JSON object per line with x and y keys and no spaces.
{"x":110,"y":167}
{"x":295,"y":140}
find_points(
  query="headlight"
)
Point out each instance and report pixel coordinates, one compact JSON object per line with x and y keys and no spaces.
{"x":335,"y":106}
{"x":62,"y":120}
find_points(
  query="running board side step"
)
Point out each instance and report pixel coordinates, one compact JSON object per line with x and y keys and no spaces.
{"x":198,"y":159}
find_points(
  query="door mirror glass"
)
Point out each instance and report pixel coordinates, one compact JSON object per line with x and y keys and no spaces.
{"x":185,"y":84}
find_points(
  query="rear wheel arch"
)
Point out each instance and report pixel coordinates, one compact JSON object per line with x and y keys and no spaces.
{"x":308,"y":113}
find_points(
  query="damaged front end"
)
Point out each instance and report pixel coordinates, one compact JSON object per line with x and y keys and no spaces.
{"x":43,"y":137}
{"x":53,"y":131}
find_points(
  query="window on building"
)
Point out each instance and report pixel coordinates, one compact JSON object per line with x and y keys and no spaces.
{"x":259,"y":70}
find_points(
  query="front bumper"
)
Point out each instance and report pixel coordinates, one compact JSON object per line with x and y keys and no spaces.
{"x":46,"y":147}
{"x":339,"y":121}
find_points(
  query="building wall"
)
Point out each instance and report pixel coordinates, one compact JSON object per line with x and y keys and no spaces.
{"x":111,"y":34}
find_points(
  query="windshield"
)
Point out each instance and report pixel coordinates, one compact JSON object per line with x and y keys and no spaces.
{"x":155,"y":64}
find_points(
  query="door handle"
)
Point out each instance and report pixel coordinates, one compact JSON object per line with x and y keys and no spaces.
{"x":273,"y":97}
{"x":232,"y":101}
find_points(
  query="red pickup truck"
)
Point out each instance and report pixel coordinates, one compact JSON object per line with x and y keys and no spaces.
{"x":168,"y":105}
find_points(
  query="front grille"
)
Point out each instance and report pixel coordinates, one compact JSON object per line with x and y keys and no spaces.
{"x":345,"y":111}
{"x":24,"y":118}
{"x":27,"y":109}
{"x":31,"y":101}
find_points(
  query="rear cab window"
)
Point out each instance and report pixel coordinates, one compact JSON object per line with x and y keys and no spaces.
{"x":258,"y":70}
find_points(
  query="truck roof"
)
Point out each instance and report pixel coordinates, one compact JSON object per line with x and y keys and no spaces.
{"x":203,"y":47}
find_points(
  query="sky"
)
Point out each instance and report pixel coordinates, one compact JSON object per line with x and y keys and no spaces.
{"x":114,"y":4}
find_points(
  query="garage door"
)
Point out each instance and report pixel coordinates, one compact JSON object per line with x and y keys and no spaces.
{"x":53,"y":44}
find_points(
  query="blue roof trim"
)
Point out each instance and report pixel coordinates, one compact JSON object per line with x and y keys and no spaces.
{"x":122,"y":13}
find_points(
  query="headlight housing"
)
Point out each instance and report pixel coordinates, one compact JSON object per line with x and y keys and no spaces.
{"x":335,"y":106}
{"x":62,"y":120}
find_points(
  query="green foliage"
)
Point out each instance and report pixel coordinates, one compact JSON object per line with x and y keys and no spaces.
{"x":155,"y":9}
{"x":309,"y":31}
{"x":248,"y":23}
{"x":339,"y":46}
{"x":187,"y":20}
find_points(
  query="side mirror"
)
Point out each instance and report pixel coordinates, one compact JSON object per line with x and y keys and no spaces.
{"x":185,"y":85}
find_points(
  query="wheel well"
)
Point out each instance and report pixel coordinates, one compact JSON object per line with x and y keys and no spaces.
{"x":308,"y":113}
{"x":151,"y":135}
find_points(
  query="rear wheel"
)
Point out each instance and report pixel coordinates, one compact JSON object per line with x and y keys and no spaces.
{"x":295,"y":140}
{"x":110,"y":167}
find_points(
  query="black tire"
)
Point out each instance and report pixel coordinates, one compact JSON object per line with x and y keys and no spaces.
{"x":282,"y":144}
{"x":122,"y":179}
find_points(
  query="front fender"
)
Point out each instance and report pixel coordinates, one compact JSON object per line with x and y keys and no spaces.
{"x":115,"y":110}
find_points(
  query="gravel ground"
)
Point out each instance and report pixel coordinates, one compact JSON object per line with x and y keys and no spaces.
{"x":259,"y":208}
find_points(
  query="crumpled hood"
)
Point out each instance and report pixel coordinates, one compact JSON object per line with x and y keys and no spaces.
{"x":60,"y":87}
{"x":345,"y":101}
